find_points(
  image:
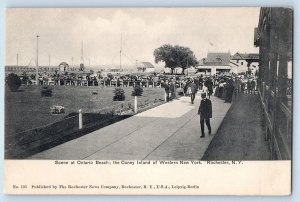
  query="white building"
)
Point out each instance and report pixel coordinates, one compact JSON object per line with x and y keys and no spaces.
{"x":243,"y":62}
{"x":215,"y":63}
{"x":145,"y":67}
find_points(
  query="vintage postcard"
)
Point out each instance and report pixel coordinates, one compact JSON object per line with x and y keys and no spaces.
{"x":148,"y":101}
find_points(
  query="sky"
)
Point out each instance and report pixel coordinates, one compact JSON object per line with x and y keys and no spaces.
{"x":142,"y":30}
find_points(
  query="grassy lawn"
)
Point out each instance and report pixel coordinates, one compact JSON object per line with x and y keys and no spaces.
{"x":26,"y":109}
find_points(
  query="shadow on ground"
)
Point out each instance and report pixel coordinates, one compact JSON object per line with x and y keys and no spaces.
{"x":241,"y":135}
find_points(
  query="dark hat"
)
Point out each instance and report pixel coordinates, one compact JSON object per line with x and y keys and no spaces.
{"x":203,"y":95}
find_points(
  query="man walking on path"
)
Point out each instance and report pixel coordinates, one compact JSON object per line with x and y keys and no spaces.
{"x":205,"y":112}
{"x":253,"y":86}
{"x":167,"y":90}
{"x":193,"y":91}
{"x":249,"y":87}
{"x":172,"y":89}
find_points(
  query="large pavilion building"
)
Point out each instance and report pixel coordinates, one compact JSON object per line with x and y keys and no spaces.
{"x":214,"y":63}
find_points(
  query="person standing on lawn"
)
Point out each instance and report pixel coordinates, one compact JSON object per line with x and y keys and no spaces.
{"x":205,"y":112}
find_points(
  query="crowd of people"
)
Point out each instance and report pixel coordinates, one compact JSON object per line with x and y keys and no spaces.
{"x":221,"y":86}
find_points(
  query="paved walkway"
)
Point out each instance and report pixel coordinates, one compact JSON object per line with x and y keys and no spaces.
{"x":241,"y":135}
{"x":170,"y":131}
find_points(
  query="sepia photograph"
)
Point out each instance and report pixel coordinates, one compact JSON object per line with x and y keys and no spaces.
{"x":149,"y":83}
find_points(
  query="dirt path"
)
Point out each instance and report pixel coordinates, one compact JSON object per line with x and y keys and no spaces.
{"x":241,"y":135}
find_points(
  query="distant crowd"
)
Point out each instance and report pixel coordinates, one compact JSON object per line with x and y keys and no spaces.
{"x":222,"y":86}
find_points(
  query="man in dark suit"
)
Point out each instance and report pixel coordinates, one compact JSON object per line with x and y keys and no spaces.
{"x":167,"y":90}
{"x":172,"y":89}
{"x":205,"y":112}
{"x":193,"y":91}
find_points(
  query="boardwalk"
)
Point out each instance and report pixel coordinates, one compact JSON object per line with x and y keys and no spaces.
{"x":169,"y":131}
{"x":241,"y":135}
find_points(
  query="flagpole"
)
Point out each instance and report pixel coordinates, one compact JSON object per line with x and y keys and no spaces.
{"x":37,"y":59}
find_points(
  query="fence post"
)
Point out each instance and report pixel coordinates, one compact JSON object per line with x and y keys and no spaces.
{"x":80,"y":119}
{"x":135,"y":104}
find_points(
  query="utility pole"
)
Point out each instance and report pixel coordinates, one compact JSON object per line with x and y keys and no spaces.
{"x":72,"y":64}
{"x":82,"y":58}
{"x":37,"y":59}
{"x":187,"y":66}
{"x":121,"y":52}
{"x":49,"y":60}
{"x":81,"y":66}
{"x":17,"y":59}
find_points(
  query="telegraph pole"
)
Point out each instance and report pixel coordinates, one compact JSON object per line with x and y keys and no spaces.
{"x":82,"y":58}
{"x":49,"y":60}
{"x":72,"y":64}
{"x":37,"y":59}
{"x":121,"y":52}
{"x":187,"y":66}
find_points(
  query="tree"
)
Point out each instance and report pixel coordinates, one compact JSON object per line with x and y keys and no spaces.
{"x":175,"y":56}
{"x":119,"y":94}
{"x":13,"y":82}
{"x":137,"y":91}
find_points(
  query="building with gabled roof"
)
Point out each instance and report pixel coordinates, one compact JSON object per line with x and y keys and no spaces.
{"x":145,"y":67}
{"x":215,"y":63}
{"x":245,"y":62}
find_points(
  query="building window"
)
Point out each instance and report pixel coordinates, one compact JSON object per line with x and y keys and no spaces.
{"x":242,"y":63}
{"x":237,"y":61}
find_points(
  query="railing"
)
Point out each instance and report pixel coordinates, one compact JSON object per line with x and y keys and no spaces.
{"x":105,"y":83}
{"x":289,"y":89}
{"x":278,"y":118}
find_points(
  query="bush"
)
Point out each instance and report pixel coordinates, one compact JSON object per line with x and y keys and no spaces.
{"x":110,"y":76}
{"x":46,"y":91}
{"x":13,"y":82}
{"x":137,"y":91}
{"x":119,"y":94}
